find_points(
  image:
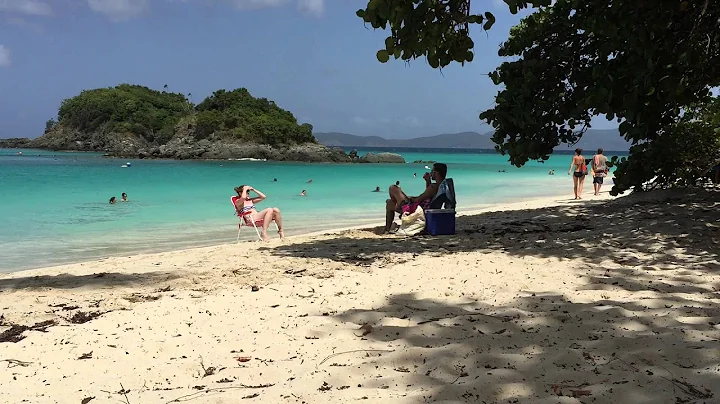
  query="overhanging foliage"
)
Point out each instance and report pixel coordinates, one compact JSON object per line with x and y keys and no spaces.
{"x":643,"y":64}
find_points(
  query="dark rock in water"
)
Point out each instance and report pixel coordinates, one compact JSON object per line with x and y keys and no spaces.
{"x":14,"y":143}
{"x":424,"y":162}
{"x":382,"y":158}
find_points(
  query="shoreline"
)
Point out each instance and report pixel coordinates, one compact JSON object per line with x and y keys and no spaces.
{"x":528,"y":302}
{"x":364,"y":223}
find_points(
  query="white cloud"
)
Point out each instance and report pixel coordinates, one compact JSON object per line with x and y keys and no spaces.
{"x":256,"y":4}
{"x":25,"y":24}
{"x":361,"y":121}
{"x":4,"y":56}
{"x":312,"y":7}
{"x":118,"y":10}
{"x":408,"y":121}
{"x":32,"y":7}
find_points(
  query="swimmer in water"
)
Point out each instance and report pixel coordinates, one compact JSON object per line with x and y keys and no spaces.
{"x":113,"y":201}
{"x":303,"y":193}
{"x":123,"y":197}
{"x":397,"y":183}
{"x":377,"y":189}
{"x":274,"y":179}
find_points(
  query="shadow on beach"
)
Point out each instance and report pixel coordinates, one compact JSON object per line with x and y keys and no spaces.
{"x":654,"y":341}
{"x":96,"y":280}
{"x":631,"y":238}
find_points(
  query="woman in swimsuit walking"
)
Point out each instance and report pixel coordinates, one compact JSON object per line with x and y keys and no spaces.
{"x":578,"y":169}
{"x":245,"y":204}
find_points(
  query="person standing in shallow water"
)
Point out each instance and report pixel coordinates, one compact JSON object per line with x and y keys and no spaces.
{"x":599,"y":167}
{"x":112,"y":201}
{"x":579,"y":171}
{"x":123,"y":197}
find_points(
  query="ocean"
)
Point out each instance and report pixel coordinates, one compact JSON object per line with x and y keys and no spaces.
{"x":55,"y":206}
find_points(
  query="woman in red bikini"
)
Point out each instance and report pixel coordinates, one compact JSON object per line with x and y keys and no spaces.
{"x":245,"y":204}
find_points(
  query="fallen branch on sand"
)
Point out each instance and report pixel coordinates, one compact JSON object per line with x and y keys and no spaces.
{"x":456,"y":316}
{"x":14,"y":362}
{"x":356,"y":350}
{"x":189,"y":397}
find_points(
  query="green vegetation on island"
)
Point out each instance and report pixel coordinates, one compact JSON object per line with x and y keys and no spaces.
{"x":153,"y":116}
{"x":125,"y":108}
{"x":240,"y":115}
{"x":138,"y":122}
{"x":650,"y":66}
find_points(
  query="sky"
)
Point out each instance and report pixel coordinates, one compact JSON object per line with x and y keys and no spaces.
{"x":314,"y":58}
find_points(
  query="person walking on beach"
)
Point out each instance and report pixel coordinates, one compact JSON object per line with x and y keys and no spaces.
{"x":579,"y":171}
{"x":599,"y":168}
{"x":246,"y":204}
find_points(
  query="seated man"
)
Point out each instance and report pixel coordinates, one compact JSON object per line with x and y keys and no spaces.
{"x":401,"y":203}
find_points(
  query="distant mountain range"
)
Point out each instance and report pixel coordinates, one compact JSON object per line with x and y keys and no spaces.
{"x":608,"y":139}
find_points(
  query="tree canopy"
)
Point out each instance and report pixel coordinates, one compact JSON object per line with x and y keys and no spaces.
{"x":240,"y":115}
{"x":154,"y":115}
{"x":648,"y":65}
{"x":125,"y":108}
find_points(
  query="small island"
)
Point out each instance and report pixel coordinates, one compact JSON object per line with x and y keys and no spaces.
{"x":133,"y":121}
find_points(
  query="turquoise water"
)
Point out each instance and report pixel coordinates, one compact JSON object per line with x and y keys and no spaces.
{"x":55,"y":205}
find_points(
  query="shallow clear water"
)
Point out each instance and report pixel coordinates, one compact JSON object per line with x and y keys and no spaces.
{"x":54,"y":206}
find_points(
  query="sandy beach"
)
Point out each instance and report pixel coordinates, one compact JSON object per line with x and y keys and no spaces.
{"x":604,"y":300}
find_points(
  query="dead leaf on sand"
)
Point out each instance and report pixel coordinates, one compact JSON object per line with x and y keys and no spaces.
{"x":86,"y":400}
{"x":365,"y":330}
{"x":243,"y":358}
{"x":86,"y":356}
{"x":580,"y":393}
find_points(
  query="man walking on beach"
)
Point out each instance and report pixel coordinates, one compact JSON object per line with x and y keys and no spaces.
{"x":599,"y":167}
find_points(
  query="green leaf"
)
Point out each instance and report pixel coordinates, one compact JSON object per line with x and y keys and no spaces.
{"x":651,"y":91}
{"x":360,"y":13}
{"x":475,"y":19}
{"x":382,"y":56}
{"x":469,"y":56}
{"x":389,"y":43}
{"x":490,"y":21}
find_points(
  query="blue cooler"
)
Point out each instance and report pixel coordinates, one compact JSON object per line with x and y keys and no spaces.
{"x":440,"y":221}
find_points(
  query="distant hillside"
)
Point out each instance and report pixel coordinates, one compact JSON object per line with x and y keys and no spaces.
{"x":608,"y":139}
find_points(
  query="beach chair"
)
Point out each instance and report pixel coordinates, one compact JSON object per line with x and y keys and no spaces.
{"x":247,"y":219}
{"x":445,"y":197}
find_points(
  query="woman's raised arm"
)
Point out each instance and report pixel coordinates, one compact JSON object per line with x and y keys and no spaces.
{"x":260,"y":196}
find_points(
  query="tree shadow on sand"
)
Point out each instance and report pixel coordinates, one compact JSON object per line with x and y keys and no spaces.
{"x":629,"y":242}
{"x":546,"y":349}
{"x":97,"y":280}
{"x":658,"y":344}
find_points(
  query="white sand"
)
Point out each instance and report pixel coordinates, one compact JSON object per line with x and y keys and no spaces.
{"x":535,"y":302}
